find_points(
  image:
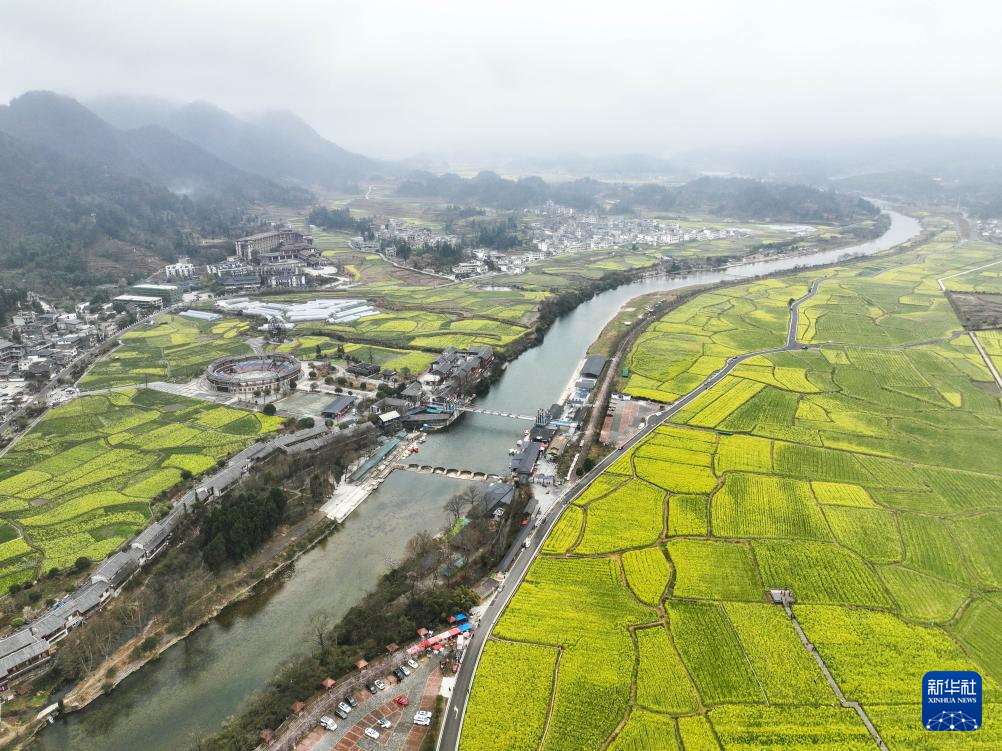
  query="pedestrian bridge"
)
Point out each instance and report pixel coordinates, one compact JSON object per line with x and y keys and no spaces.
{"x":497,"y":413}
{"x":459,"y":474}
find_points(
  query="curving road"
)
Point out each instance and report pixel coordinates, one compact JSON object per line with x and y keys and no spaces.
{"x":452,"y":725}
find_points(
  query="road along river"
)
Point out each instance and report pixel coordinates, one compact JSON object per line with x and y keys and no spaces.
{"x":199,"y":682}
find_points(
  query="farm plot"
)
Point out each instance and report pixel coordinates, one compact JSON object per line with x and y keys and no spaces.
{"x":521,"y":725}
{"x":583,"y":605}
{"x":710,"y":570}
{"x":646,"y":731}
{"x":863,"y":476}
{"x":630,"y":516}
{"x":647,"y":573}
{"x":897,"y":655}
{"x":711,"y":652}
{"x":170,"y":348}
{"x":662,"y":682}
{"x":747,"y":728}
{"x":427,"y":329}
{"x":764,"y":506}
{"x":83,"y":479}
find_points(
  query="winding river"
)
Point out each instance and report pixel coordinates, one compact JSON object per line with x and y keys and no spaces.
{"x":196,"y":684}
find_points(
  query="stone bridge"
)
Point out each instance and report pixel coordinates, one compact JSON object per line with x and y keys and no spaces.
{"x":459,"y":474}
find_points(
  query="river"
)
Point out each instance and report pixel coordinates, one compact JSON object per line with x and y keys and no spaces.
{"x":196,"y":684}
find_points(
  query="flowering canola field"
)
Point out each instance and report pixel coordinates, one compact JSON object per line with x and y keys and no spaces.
{"x":863,"y":476}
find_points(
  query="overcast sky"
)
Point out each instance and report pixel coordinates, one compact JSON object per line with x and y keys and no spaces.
{"x":400,"y":78}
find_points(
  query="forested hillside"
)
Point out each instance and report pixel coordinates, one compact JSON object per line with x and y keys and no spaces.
{"x":731,"y":197}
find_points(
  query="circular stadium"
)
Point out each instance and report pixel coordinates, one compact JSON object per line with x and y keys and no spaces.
{"x":245,"y":374}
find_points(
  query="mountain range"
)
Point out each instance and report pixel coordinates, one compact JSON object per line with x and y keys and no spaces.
{"x":86,"y":198}
{"x":277,"y":145}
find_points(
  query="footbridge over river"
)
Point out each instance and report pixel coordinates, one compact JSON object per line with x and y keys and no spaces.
{"x":459,"y":474}
{"x":538,"y":418}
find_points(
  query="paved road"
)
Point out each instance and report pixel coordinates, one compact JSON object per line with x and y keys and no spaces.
{"x":452,"y":726}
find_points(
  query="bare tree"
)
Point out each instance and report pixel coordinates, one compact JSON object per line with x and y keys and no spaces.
{"x":319,"y":630}
{"x":421,"y":544}
{"x":455,"y":506}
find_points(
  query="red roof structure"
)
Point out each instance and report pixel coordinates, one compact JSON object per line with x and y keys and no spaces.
{"x":392,"y":647}
{"x":266,"y":735}
{"x":297,"y":707}
{"x":421,"y":632}
{"x":361,"y":664}
{"x":328,"y":683}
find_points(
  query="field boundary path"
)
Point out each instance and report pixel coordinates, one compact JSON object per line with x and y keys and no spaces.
{"x":452,"y":725}
{"x":831,"y":679}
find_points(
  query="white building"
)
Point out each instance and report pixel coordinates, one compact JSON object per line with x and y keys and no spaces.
{"x":183,"y":269}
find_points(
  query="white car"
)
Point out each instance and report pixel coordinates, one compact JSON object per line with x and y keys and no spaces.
{"x":413,"y":664}
{"x":422,"y":713}
{"x":372,"y":733}
{"x":379,"y":684}
{"x":383,"y":723}
{"x":423,"y":721}
{"x":328,"y":723}
{"x":404,"y":670}
{"x":344,"y":706}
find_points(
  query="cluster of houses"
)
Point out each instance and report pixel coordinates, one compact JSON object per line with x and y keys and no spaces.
{"x":454,"y":372}
{"x":990,"y":229}
{"x":37,"y":344}
{"x":32,"y":644}
{"x":428,"y":403}
{"x":392,"y":231}
{"x":563,"y":230}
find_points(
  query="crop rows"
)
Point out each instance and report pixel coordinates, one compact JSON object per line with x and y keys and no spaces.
{"x":80,"y":493}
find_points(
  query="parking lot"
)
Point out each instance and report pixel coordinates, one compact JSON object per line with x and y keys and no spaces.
{"x":626,"y":419}
{"x":420,"y":688}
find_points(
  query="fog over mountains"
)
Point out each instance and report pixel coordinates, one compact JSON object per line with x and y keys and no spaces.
{"x":277,"y":144}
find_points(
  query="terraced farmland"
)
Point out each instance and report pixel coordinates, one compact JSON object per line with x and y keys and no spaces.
{"x":83,"y":479}
{"x":862,"y":475}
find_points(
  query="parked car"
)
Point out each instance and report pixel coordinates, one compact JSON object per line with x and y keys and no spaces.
{"x":328,"y":723}
{"x":372,"y":687}
{"x":383,"y":723}
{"x":351,"y":700}
{"x":413,"y":664}
{"x":372,"y":733}
{"x":341,"y":713}
{"x":379,"y":684}
{"x":399,"y":674}
{"x":424,"y":721}
{"x":404,"y":670}
{"x":402,"y":700}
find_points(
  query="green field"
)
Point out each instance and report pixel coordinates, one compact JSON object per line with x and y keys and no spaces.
{"x":83,"y":479}
{"x":863,"y":476}
{"x":169,"y":348}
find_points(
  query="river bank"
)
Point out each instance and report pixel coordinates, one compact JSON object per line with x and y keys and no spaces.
{"x":205,"y":678}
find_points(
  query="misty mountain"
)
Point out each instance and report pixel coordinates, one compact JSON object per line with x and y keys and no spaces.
{"x":70,"y":223}
{"x":65,"y":126}
{"x":739,"y":198}
{"x":612,"y":167}
{"x":277,"y":145}
{"x":949,"y":158}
